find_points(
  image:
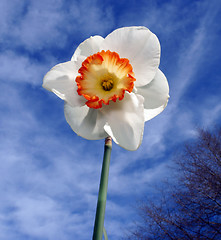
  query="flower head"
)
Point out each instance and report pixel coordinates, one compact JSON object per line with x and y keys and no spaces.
{"x":112,"y":86}
{"x":104,"y":77}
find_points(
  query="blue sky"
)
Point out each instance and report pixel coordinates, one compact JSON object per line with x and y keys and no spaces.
{"x":49,"y":176}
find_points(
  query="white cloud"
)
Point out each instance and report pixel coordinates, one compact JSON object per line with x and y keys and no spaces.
{"x":21,"y":69}
{"x":40,"y":217}
{"x":210,"y":113}
{"x":37,"y":25}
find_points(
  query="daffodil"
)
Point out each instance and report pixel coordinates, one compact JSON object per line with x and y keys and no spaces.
{"x":112,"y":86}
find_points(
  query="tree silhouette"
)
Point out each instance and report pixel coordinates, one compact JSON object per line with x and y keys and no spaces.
{"x":189,"y":208}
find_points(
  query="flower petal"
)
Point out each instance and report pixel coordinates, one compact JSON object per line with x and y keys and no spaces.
{"x":88,"y":47}
{"x":61,"y":80}
{"x":156,"y":93}
{"x":86,"y":122}
{"x":151,"y":113}
{"x":140,"y":46}
{"x":125,"y":121}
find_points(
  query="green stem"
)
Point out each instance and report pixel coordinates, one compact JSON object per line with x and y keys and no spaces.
{"x":105,"y":234}
{"x":102,"y":196}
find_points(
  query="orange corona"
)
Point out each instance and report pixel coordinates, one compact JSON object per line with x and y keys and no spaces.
{"x":104,"y":76}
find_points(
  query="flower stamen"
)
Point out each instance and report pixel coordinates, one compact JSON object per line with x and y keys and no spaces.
{"x":107,"y":84}
{"x":104,"y":77}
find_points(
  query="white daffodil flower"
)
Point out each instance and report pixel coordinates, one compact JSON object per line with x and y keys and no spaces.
{"x":112,"y":86}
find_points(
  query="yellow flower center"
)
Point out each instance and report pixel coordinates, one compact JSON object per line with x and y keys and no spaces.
{"x":104,"y":76}
{"x":107,"y":83}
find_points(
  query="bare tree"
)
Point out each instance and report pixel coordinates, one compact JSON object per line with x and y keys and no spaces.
{"x":191,"y":207}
